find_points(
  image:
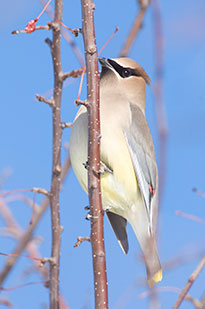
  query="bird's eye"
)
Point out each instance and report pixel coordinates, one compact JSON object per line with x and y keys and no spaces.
{"x":126,"y":73}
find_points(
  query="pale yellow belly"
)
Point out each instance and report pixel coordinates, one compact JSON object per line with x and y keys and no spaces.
{"x":119,"y":189}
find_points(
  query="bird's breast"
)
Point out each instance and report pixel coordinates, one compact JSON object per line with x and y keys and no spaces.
{"x":119,"y":188}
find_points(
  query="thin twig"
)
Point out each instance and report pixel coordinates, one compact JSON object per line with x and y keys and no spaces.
{"x":25,"y":237}
{"x":97,"y":232}
{"x":31,"y":25}
{"x":173,"y":289}
{"x":135,"y":28}
{"x":35,"y":190}
{"x":74,"y":74}
{"x":169,"y":265}
{"x":74,"y":31}
{"x":31,"y":247}
{"x":40,"y":98}
{"x":36,"y":28}
{"x":80,"y":239}
{"x":22,"y":285}
{"x":190,"y":216}
{"x":189,"y":283}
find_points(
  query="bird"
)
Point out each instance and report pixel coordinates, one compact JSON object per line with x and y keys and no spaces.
{"x":129,"y":177}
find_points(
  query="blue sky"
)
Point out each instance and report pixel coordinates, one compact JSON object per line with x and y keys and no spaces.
{"x":26,"y":134}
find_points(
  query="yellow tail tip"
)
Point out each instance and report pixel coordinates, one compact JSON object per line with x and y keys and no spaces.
{"x":156,"y":278}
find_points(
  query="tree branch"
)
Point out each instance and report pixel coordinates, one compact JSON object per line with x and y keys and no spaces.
{"x":135,"y":28}
{"x":67,"y":37}
{"x":56,"y":164}
{"x":40,"y":98}
{"x":97,"y":233}
{"x":25,"y":237}
{"x":191,"y":280}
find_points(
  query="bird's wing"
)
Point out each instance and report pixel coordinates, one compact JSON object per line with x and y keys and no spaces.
{"x":141,"y":150}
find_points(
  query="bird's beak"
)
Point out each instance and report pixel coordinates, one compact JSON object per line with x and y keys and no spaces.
{"x":104,"y":62}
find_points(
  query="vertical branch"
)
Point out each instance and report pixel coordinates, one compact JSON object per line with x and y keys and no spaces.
{"x":158,"y":94}
{"x":56,"y":164}
{"x":97,"y":237}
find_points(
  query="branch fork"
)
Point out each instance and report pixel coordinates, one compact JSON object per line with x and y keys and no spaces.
{"x":80,"y":239}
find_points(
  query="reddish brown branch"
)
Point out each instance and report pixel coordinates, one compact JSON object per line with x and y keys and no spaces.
{"x":67,"y":37}
{"x":97,"y":232}
{"x":135,"y":28}
{"x":56,"y":163}
{"x":191,"y":280}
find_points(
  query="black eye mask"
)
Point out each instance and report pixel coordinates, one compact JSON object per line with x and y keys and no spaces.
{"x":124,"y":72}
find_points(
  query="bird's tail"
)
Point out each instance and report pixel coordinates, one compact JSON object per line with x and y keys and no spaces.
{"x":148,"y":245}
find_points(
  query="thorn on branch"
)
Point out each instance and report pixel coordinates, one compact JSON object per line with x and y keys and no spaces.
{"x":57,"y":169}
{"x":42,"y":99}
{"x":66,"y":125}
{"x":80,"y":102}
{"x":103,"y":169}
{"x":88,"y":216}
{"x":80,"y":239}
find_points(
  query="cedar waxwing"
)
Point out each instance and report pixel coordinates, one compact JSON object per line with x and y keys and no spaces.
{"x":129,"y":182}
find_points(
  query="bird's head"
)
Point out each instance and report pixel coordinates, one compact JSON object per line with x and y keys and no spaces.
{"x":124,"y":76}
